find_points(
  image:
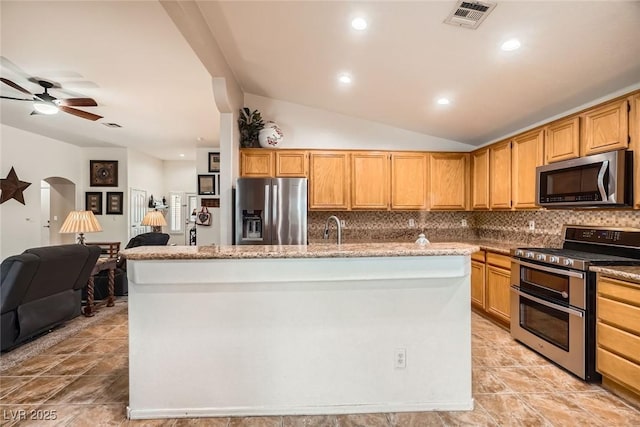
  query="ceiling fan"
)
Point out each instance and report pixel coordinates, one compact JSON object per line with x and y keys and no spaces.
{"x":44,"y":103}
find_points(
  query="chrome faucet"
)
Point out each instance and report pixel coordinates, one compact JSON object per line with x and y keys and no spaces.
{"x":326,"y":229}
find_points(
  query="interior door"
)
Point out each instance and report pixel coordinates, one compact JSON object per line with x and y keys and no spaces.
{"x":138,"y":207}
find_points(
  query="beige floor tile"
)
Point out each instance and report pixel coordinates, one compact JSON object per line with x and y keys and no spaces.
{"x":35,"y":365}
{"x":525,"y":356}
{"x":478,"y":417}
{"x":153,"y":423}
{"x":255,"y":422}
{"x":69,"y":346}
{"x":415,"y":419}
{"x":559,"y":409}
{"x":607,"y":408}
{"x":562,"y":380}
{"x":487,"y":356}
{"x":75,"y":364}
{"x":119,"y":331}
{"x":84,"y":389}
{"x":100,"y":415}
{"x":521,"y":380}
{"x":116,"y":392}
{"x":509,"y":410}
{"x":54,"y":415}
{"x":38,"y":391}
{"x":484,"y":381}
{"x":15,"y":415}
{"x":95,"y":331}
{"x":102,"y":346}
{"x":310,"y":421}
{"x":8,"y":384}
{"x":200,"y":422}
{"x":112,"y":364}
{"x":363,"y":420}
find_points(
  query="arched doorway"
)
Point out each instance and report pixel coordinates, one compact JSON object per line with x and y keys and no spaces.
{"x":57,"y":199}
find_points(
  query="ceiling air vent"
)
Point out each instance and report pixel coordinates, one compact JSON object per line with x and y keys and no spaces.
{"x":469,"y":14}
{"x":112,"y":125}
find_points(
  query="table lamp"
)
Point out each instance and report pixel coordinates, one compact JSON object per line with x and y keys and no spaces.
{"x":80,"y":222}
{"x":155,"y":219}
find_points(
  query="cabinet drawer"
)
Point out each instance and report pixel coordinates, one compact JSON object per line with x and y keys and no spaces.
{"x":621,"y":342}
{"x":478,"y":256}
{"x":619,"y":290}
{"x":498,"y":260}
{"x":619,"y":314}
{"x":618,"y":368}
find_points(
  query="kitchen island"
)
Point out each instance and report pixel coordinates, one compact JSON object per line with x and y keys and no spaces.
{"x":290,"y":330}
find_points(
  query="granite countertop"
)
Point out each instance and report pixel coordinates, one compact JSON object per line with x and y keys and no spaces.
{"x":350,"y":250}
{"x":498,"y":246}
{"x":619,"y":272}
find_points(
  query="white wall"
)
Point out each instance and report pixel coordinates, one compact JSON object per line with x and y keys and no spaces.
{"x":306,"y":127}
{"x":34,"y":158}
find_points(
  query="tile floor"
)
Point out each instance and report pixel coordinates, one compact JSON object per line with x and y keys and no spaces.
{"x":82,"y":381}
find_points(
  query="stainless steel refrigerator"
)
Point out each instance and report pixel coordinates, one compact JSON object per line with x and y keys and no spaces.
{"x":271,"y":211}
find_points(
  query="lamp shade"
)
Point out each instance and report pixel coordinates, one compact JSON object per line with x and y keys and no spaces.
{"x":80,"y":222}
{"x":154,"y":219}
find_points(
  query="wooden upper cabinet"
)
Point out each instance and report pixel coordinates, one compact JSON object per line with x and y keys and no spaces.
{"x":563,"y":140}
{"x":329,"y":180}
{"x":606,"y":128}
{"x":448,"y":181}
{"x":256,"y":162}
{"x":500,"y":175}
{"x":634,"y":131}
{"x":526,"y":155}
{"x":409,"y":181}
{"x":291,"y":163}
{"x":480,"y":179}
{"x":370,"y":180}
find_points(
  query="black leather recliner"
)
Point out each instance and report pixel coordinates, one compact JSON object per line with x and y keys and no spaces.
{"x":41,"y":289}
{"x":121,"y":284}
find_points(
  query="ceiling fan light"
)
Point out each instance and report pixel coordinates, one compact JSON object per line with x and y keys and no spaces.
{"x":45,"y":108}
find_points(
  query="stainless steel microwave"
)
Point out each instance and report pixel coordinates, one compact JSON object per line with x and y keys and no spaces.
{"x":592,"y":181}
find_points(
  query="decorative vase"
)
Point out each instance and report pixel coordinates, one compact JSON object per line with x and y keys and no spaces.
{"x":270,"y":136}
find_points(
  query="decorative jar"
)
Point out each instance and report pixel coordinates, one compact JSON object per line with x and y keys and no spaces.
{"x":270,"y":136}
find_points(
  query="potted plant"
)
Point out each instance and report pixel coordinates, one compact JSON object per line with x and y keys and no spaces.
{"x":249,"y":123}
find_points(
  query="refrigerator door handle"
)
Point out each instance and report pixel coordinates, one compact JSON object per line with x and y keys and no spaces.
{"x":266,"y":216}
{"x":274,"y":209}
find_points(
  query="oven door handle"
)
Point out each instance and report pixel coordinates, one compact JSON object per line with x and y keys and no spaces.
{"x":567,"y":310}
{"x":549,"y":269}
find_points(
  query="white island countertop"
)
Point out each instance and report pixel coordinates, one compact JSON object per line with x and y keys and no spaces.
{"x":350,"y":250}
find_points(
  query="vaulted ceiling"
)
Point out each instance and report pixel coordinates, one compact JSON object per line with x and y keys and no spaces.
{"x":130,"y":57}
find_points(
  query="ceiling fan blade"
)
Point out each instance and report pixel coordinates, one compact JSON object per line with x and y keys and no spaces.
{"x":78,"y":102}
{"x":16,"y":99}
{"x":15,"y":85}
{"x":80,"y":113}
{"x":6,"y":63}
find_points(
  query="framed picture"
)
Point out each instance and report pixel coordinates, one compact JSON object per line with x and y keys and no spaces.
{"x":214,"y":162}
{"x":93,"y":202}
{"x":114,"y":202}
{"x":103,"y":173}
{"x":207,"y":184}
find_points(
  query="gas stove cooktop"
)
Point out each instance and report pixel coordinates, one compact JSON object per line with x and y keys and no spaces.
{"x":588,"y":245}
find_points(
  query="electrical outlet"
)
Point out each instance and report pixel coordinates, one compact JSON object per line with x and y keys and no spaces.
{"x":464,"y":222}
{"x":400,"y":358}
{"x":412,"y":222}
{"x":343,"y":223}
{"x":532,"y":225}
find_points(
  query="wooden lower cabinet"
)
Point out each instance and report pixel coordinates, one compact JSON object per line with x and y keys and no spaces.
{"x":618,"y":332}
{"x":478,"y":280}
{"x":491,"y":285}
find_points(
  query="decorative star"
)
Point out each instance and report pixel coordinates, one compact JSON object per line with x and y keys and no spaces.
{"x":12,"y":187}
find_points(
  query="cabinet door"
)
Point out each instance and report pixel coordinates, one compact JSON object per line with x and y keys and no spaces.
{"x":328,"y":180}
{"x":480,"y":179}
{"x":408,"y":181}
{"x":369,"y":180}
{"x":448,"y":180}
{"x":498,"y":293}
{"x":634,"y":128}
{"x":606,"y":128}
{"x":256,"y":163}
{"x":563,"y":140}
{"x":477,"y":284}
{"x":500,"y":175}
{"x":291,"y":164}
{"x":526,"y":155}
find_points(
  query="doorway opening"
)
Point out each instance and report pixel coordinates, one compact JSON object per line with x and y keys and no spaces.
{"x":57,"y":199}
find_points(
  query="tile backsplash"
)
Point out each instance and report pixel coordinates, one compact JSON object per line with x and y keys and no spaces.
{"x":494,"y":225}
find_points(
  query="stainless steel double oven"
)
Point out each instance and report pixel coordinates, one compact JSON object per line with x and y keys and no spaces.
{"x":553,"y":293}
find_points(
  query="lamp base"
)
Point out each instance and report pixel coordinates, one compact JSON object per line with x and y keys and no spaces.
{"x":81,"y":239}
{"x":156,"y":229}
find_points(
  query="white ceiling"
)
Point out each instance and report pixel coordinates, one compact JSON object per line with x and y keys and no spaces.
{"x":132,"y":60}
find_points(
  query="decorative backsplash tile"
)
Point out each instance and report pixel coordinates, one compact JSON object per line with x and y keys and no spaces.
{"x":510,"y":226}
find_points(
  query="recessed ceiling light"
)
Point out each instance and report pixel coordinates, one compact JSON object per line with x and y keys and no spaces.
{"x":443,"y":101}
{"x":181,"y":154}
{"x":359,"y":24}
{"x":511,"y":44}
{"x":344,"y":78}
